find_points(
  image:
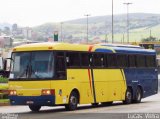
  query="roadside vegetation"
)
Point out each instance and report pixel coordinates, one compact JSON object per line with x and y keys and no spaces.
{"x":3,"y":80}
{"x":3,"y":91}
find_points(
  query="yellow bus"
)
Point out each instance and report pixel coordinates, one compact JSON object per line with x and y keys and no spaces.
{"x":62,"y":74}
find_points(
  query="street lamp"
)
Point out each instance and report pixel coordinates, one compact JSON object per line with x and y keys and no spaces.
{"x":112,"y":24}
{"x":87,"y":15}
{"x":61,"y":32}
{"x":127,"y":19}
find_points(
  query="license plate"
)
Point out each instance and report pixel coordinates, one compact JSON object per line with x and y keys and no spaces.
{"x":29,"y":102}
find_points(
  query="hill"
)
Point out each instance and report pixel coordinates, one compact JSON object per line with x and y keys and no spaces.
{"x":3,"y":25}
{"x":100,"y":28}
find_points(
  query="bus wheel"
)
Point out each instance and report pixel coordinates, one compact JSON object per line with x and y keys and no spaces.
{"x":34,"y":108}
{"x":128,"y":96}
{"x":138,"y":95}
{"x":73,"y":102}
{"x":107,"y":103}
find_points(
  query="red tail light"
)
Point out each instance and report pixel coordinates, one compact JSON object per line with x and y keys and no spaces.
{"x":12,"y":92}
{"x":48,"y":92}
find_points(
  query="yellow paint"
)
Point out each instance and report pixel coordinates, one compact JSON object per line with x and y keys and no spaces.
{"x":109,"y":86}
{"x":29,"y":88}
{"x":57,"y":46}
{"x":51,"y":46}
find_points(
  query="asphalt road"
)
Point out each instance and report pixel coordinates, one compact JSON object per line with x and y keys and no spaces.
{"x":116,"y":111}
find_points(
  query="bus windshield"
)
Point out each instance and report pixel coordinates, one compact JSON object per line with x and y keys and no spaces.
{"x":32,"y":65}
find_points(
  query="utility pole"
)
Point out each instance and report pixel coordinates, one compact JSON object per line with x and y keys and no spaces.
{"x":87,"y":15}
{"x":112,"y":24}
{"x":127,"y":20}
{"x":123,"y":38}
{"x":61,"y":32}
{"x":150,"y":33}
{"x":106,"y":38}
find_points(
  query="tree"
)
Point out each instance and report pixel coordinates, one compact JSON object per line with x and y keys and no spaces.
{"x":151,"y":38}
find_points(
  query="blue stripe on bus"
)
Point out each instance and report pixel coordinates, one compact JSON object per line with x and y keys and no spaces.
{"x":104,"y":50}
{"x":129,"y":50}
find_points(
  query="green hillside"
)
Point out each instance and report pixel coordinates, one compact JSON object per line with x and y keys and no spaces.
{"x":99,"y":28}
{"x":137,"y":35}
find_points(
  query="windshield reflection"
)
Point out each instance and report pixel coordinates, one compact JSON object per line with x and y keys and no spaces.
{"x":32,"y":65}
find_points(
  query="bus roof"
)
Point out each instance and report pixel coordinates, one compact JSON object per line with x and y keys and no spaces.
{"x":80,"y":47}
{"x":119,"y":45}
{"x":57,"y":46}
{"x":132,"y":50}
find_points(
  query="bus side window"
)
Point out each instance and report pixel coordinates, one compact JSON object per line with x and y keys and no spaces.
{"x":122,"y":60}
{"x":98,"y":60}
{"x":111,"y":60}
{"x":131,"y":61}
{"x":60,"y":65}
{"x":140,"y":61}
{"x":86,"y":60}
{"x":73,"y":59}
{"x":151,"y":61}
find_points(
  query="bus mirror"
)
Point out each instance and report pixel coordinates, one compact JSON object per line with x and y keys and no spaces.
{"x":7,"y":62}
{"x":9,"y":59}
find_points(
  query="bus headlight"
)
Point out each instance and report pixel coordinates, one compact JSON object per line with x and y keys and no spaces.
{"x":48,"y":92}
{"x":12,"y":92}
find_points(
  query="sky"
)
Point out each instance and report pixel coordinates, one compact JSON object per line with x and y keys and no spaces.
{"x":36,"y":12}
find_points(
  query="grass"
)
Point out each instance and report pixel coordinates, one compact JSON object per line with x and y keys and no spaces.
{"x":135,"y":35}
{"x":4,"y":100}
{"x":3,"y":86}
{"x":3,"y":80}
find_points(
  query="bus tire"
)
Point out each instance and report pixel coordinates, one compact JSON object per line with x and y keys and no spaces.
{"x":34,"y":108}
{"x":138,"y":95}
{"x":73,"y":102}
{"x":107,"y":103}
{"x":128,"y":96}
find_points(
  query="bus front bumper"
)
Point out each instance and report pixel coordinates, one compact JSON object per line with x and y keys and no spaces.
{"x":46,"y":100}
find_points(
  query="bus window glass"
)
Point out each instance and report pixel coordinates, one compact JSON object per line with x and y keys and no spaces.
{"x":85,"y":59}
{"x":42,"y":65}
{"x":73,"y":59}
{"x":111,"y":58}
{"x":20,"y":66}
{"x":32,"y":65}
{"x":140,"y":59}
{"x":150,"y":61}
{"x":98,"y":60}
{"x":132,"y":61}
{"x":121,"y":60}
{"x":60,"y":65}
